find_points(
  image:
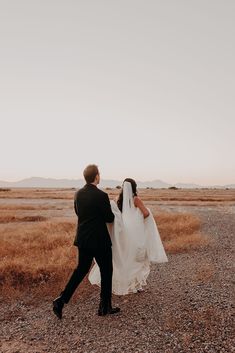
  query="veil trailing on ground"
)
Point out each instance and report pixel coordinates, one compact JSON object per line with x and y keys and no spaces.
{"x":136,"y":243}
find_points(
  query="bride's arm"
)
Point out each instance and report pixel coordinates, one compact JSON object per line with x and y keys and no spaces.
{"x":138,"y":203}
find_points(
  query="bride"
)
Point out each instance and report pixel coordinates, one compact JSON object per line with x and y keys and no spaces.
{"x":135,"y":242}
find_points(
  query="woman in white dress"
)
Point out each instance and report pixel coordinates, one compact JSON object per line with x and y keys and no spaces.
{"x":135,"y":242}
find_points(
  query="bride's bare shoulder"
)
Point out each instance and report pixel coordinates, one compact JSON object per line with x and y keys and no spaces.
{"x":137,"y":201}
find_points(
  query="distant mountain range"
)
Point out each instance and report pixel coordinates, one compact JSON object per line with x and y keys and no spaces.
{"x":37,"y":182}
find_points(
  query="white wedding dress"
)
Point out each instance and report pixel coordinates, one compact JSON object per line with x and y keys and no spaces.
{"x":135,"y":243}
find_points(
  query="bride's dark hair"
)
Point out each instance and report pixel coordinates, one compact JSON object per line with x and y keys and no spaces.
{"x":134,"y":190}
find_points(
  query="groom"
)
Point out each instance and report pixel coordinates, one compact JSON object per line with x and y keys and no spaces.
{"x":92,"y":238}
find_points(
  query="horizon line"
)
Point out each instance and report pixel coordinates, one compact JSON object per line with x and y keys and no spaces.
{"x":118,"y":180}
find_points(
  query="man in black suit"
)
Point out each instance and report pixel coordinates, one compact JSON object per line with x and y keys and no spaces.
{"x":92,"y":238}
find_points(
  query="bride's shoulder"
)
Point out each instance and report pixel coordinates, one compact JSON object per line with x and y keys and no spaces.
{"x":137,"y":201}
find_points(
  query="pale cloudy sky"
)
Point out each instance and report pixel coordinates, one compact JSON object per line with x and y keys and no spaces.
{"x":142,"y":88}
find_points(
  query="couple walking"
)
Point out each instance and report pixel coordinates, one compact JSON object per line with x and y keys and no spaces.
{"x":121,"y":236}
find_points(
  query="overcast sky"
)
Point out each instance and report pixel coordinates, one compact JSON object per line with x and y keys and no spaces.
{"x":144,"y":89}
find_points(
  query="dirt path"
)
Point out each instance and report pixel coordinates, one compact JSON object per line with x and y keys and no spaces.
{"x":187,"y":307}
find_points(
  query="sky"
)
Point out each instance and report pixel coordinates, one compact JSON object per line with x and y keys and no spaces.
{"x":144,"y":89}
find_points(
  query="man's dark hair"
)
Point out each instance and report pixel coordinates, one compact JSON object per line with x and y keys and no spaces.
{"x":90,"y":173}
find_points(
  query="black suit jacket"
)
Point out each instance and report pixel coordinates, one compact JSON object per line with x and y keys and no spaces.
{"x":93,"y":209}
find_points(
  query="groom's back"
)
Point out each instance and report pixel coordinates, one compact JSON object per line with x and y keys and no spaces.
{"x":93,"y":209}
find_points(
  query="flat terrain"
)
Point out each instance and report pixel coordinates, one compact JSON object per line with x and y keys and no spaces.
{"x":186,"y":307}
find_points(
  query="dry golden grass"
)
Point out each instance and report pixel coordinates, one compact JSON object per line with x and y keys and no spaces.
{"x":188,"y":195}
{"x":32,"y":193}
{"x":7,"y":218}
{"x":158,"y":195}
{"x":21,"y":207}
{"x":180,"y":232}
{"x":37,"y":257}
{"x":37,"y":252}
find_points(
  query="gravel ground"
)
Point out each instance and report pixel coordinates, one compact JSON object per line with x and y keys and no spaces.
{"x":187,"y":307}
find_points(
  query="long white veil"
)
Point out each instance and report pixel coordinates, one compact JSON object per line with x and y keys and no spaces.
{"x":133,"y":222}
{"x":128,"y":201}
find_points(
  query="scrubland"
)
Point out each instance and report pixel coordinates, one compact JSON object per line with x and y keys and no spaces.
{"x":187,"y":305}
{"x":36,"y":247}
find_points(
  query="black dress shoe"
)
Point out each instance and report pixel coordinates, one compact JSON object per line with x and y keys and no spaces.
{"x":114,"y":310}
{"x":58,"y":307}
{"x":102,"y":311}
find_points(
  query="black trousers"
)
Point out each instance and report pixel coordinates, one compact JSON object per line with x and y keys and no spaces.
{"x":104,"y":261}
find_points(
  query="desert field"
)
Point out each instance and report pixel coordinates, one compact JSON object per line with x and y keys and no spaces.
{"x":186,"y":307}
